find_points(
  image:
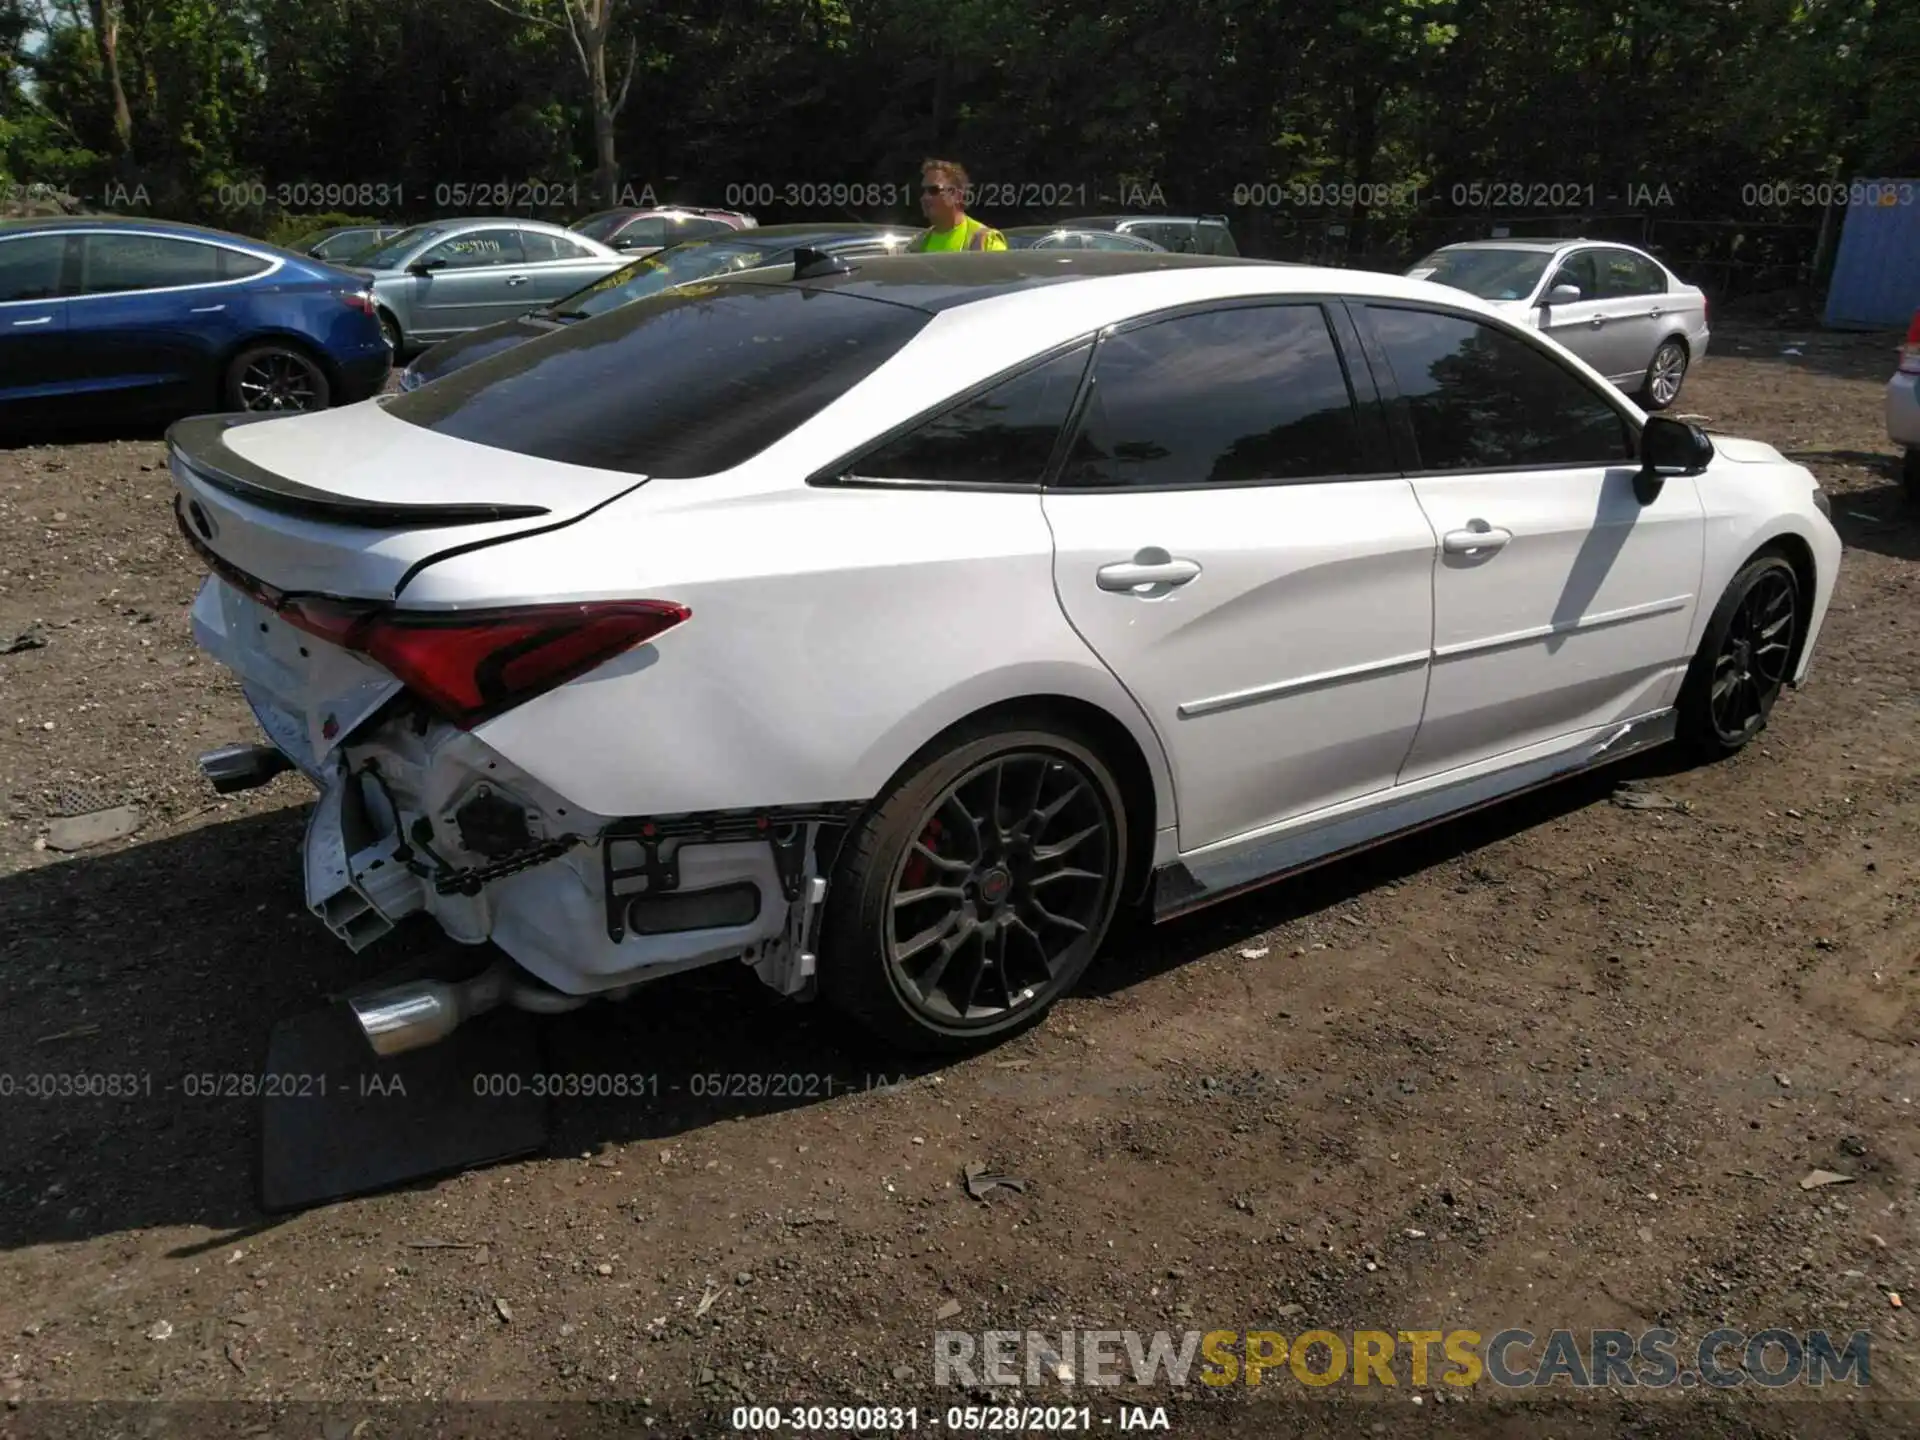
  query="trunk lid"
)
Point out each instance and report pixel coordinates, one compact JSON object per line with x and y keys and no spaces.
{"x":350,"y":502}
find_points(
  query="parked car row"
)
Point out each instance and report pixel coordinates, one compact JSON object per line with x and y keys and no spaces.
{"x":462,"y":289}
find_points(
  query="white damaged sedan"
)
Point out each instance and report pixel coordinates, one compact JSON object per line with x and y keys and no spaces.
{"x":888,"y":626}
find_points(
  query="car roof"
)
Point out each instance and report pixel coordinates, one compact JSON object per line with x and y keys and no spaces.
{"x":48,"y":224}
{"x":945,"y":280}
{"x":1108,"y":222}
{"x":1547,"y":243}
{"x":517,"y":222}
{"x":851,"y":229}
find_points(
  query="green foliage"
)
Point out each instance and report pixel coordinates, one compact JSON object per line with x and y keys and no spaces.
{"x":261,"y":114}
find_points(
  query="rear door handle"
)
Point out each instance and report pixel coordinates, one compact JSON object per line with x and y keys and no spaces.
{"x":1475,"y":538}
{"x":43,"y":320}
{"x":517,"y":279}
{"x":206,"y":309}
{"x":1127,"y":576}
{"x":1597,"y":321}
{"x":1654,"y":313}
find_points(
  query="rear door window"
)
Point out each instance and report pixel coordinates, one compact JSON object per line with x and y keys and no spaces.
{"x":1625,"y":275}
{"x":684,"y":383}
{"x":1246,"y":394}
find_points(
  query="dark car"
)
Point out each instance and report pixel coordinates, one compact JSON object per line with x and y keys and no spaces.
{"x":1067,"y":237}
{"x":1186,"y":234}
{"x":642,"y":231}
{"x":728,"y":253}
{"x":113,"y":318}
{"x":340,"y":244}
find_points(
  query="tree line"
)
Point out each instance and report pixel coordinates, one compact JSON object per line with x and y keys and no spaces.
{"x":1340,"y":127}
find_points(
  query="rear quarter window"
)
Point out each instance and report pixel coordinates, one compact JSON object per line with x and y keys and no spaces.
{"x":686,"y":383}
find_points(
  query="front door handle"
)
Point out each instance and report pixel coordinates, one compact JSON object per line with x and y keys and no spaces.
{"x":1477,"y":537}
{"x":1597,"y":321}
{"x":43,"y":320}
{"x":516,"y":279}
{"x":206,"y":309}
{"x":1129,"y":576}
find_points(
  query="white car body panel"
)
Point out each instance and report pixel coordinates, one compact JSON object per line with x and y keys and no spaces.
{"x":855,"y":584}
{"x":1580,"y":619}
{"x":1300,"y":650}
{"x":358,"y":452}
{"x":1330,"y":677}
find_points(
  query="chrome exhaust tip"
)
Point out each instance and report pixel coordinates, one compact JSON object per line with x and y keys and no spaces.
{"x":425,"y":1012}
{"x":233,"y":768}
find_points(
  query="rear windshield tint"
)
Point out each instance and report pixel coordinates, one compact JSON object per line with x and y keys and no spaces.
{"x":687,"y":383}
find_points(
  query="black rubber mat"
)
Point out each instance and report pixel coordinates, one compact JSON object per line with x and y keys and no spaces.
{"x":336,"y":1120}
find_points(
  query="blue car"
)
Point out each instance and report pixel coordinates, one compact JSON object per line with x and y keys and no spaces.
{"x":106,"y":319}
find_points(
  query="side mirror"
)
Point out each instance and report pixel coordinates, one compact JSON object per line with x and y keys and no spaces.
{"x":1669,"y":447}
{"x":1563,"y":295}
{"x":425,"y":267}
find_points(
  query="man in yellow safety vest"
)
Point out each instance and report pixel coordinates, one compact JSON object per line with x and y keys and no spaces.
{"x":943,"y":200}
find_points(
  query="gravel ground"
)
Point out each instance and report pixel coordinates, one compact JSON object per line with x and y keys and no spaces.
{"x":1562,"y":1064}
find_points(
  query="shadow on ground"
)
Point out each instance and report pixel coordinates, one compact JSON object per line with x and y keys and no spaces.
{"x":1878,"y":517}
{"x":167,"y":962}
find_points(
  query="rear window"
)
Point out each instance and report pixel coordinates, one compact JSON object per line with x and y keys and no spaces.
{"x":686,"y":383}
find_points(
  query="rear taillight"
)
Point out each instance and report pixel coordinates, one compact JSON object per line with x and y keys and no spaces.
{"x":1910,"y":352}
{"x":363,"y":303}
{"x":472,"y":665}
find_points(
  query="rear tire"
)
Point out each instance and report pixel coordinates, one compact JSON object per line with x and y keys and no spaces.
{"x":1666,"y":373}
{"x":976,"y":892}
{"x":1910,"y":475}
{"x":1743,"y":660}
{"x":396,"y":342}
{"x":277,"y":377}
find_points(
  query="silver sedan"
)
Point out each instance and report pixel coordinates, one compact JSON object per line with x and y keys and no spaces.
{"x":1617,"y":308}
{"x":435,"y":281}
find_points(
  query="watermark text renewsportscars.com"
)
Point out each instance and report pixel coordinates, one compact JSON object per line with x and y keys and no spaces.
{"x":1420,"y":1358}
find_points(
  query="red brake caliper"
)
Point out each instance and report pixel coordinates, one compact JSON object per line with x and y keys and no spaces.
{"x":920,"y":869}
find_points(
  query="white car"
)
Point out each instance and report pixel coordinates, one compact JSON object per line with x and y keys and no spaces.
{"x":1903,"y":410}
{"x":889,"y":625}
{"x":1617,"y":308}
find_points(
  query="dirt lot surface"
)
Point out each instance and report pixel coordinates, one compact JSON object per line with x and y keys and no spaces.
{"x":1564,"y":1064}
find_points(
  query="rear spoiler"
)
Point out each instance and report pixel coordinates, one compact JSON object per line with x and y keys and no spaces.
{"x":199,"y":445}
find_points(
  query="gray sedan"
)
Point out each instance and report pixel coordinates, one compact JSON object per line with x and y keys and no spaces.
{"x":432,"y":282}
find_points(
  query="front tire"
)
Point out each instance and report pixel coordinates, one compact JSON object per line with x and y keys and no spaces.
{"x":1666,"y":373}
{"x":276,"y":377}
{"x":977,"y":891}
{"x":1910,"y":475}
{"x":1743,"y":660}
